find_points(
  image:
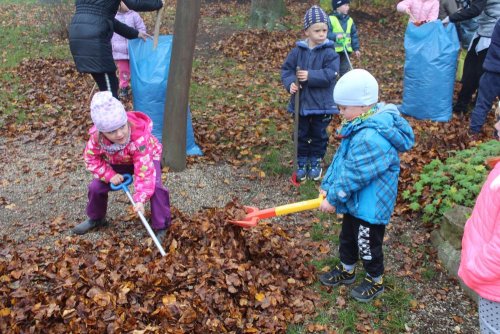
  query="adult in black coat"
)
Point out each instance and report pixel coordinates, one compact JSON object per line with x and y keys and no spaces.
{"x":90,"y":34}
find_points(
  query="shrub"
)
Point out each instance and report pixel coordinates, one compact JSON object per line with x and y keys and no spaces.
{"x":456,"y":181}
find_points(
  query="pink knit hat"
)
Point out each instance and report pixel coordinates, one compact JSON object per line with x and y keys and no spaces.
{"x":108,"y":114}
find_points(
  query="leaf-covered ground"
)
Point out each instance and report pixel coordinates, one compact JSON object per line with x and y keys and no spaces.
{"x":216,"y":278}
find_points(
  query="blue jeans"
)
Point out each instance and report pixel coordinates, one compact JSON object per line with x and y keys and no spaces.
{"x":489,"y":89}
{"x":313,"y":138}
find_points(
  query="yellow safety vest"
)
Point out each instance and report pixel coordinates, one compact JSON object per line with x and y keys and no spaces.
{"x":337,"y":29}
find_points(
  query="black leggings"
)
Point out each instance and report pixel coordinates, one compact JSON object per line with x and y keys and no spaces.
{"x":360,"y":239}
{"x":107,"y":82}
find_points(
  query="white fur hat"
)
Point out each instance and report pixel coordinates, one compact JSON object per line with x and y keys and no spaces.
{"x":356,"y":88}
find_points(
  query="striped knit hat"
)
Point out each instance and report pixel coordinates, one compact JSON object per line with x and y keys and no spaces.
{"x":314,"y":15}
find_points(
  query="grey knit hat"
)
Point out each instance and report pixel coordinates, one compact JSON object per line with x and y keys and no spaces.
{"x":314,"y":15}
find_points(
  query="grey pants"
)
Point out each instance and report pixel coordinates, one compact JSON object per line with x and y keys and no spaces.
{"x":489,"y":316}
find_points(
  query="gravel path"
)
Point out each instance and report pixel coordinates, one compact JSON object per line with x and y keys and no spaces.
{"x":53,"y":185}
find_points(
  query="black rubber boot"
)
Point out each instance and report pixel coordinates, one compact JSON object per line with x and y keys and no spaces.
{"x":88,"y":225}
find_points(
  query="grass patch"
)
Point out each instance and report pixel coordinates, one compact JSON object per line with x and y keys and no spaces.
{"x":10,"y":97}
{"x":273,"y":164}
{"x":25,"y":42}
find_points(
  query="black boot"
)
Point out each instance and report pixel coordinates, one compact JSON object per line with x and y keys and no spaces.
{"x":88,"y":225}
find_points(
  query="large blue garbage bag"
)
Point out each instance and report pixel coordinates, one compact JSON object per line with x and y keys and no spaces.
{"x":429,"y":71}
{"x":149,"y":75}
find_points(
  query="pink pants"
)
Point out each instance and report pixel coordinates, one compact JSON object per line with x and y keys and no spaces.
{"x":123,"y":72}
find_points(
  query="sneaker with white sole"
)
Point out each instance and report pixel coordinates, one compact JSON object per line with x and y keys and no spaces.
{"x":315,"y":170}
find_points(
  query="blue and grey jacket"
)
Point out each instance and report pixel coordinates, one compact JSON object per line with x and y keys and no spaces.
{"x":343,"y":22}
{"x":316,"y":94}
{"x":363,"y":177}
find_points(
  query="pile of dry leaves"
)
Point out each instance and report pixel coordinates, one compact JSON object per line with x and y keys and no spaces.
{"x":215,"y":278}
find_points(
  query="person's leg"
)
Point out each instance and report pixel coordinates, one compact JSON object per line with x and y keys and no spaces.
{"x":370,"y":239}
{"x":107,"y":82}
{"x":489,"y":316}
{"x":318,"y":145}
{"x":469,"y":81}
{"x":489,"y":89}
{"x":348,"y":240}
{"x":98,"y":199}
{"x":303,"y":147}
{"x":123,"y":72}
{"x":344,"y":273}
{"x":160,"y":203}
{"x":318,"y":135}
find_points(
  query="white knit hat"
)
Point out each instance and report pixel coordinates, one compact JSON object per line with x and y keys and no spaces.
{"x":356,"y":88}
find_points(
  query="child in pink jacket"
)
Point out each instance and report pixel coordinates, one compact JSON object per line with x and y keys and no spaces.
{"x":420,"y":11}
{"x":120,"y":46}
{"x":121,"y":142}
{"x":480,"y":262}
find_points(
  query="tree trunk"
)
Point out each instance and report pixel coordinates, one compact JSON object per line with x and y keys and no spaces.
{"x":265,"y":13}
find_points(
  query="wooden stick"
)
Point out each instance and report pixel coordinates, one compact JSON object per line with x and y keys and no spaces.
{"x":157,"y":27}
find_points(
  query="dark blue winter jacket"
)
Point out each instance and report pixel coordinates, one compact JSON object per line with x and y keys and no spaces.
{"x":343,"y":22}
{"x":492,"y":60}
{"x":316,"y":94}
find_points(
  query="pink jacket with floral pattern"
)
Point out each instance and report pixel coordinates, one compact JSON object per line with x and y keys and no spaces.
{"x":480,"y":262}
{"x":141,"y":151}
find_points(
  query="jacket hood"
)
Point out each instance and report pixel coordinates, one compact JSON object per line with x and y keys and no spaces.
{"x":326,"y":44}
{"x":140,"y":122}
{"x":387,"y":121}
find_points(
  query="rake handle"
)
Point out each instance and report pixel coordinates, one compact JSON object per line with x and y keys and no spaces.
{"x":124,"y":186}
{"x":298,"y":207}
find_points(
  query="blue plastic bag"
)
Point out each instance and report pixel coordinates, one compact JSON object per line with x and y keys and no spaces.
{"x":149,"y":76}
{"x":429,"y":71}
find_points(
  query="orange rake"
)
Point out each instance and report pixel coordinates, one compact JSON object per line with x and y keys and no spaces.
{"x":254,"y":214}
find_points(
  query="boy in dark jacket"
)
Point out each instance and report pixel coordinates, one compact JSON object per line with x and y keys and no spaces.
{"x":489,"y":85}
{"x":342,"y":31}
{"x":319,"y":65}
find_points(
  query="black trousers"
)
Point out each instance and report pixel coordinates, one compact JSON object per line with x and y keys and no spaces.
{"x":359,"y":239}
{"x":473,"y":69}
{"x":313,"y":137}
{"x":107,"y":82}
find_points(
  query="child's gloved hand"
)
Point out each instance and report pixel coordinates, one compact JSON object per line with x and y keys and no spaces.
{"x":117,"y":179}
{"x":139,"y":207}
{"x":495,"y":185}
{"x":357,"y":53}
{"x":293,"y":88}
